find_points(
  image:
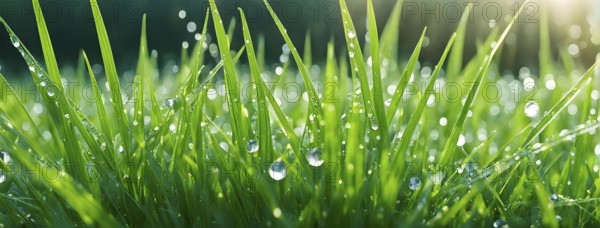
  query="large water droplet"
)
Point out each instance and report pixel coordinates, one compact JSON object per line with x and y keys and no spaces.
{"x":554,"y":197}
{"x":314,"y":157}
{"x":374,"y":126}
{"x":351,"y":34}
{"x":50,"y":93}
{"x":252,"y":146}
{"x":499,"y":223}
{"x":170,"y":102}
{"x":90,"y":166}
{"x":532,"y":109}
{"x":414,"y":183}
{"x":4,"y":156}
{"x":15,"y":42}
{"x":277,"y":170}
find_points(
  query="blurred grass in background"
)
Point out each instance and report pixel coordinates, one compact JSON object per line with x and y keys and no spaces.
{"x":572,"y":23}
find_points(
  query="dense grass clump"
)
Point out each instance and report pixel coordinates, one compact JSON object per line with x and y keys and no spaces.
{"x":370,"y":139}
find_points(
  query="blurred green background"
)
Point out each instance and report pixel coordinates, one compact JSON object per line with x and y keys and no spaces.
{"x":574,"y":27}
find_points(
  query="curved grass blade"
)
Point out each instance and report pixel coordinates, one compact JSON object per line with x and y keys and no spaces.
{"x":400,"y":150}
{"x":404,"y":79}
{"x":450,"y":146}
{"x":264,"y":122}
{"x":47,"y":49}
{"x":357,"y":63}
{"x":233,"y":96}
{"x":112,"y":77}
{"x":138,"y":115}
{"x":313,"y":97}
{"x":376,"y":68}
{"x":456,"y":57}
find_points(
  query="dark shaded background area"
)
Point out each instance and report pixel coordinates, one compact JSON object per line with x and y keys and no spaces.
{"x":71,"y":27}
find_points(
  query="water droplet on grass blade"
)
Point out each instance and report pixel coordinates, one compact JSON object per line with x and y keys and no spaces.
{"x":170,"y":102}
{"x":414,"y":183}
{"x":277,"y":170}
{"x":15,"y":42}
{"x":554,"y":197}
{"x":314,"y":157}
{"x":351,"y":34}
{"x":499,"y":223}
{"x":252,"y":146}
{"x":532,"y":109}
{"x":4,"y":156}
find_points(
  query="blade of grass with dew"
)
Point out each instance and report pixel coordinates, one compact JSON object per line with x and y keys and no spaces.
{"x":233,"y":96}
{"x":112,"y":77}
{"x":199,"y":57}
{"x":313,"y":98}
{"x":75,"y":194}
{"x":450,"y":146}
{"x":47,"y":49}
{"x":404,"y":79}
{"x":376,"y":74}
{"x":559,"y":106}
{"x":332,"y":127}
{"x":102,"y":116}
{"x":357,"y":63}
{"x":264,"y":123}
{"x":400,"y":150}
{"x":14,"y":108}
{"x":138,"y":112}
{"x":57,"y":103}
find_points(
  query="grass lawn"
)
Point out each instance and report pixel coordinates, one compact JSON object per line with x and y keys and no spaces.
{"x":364,"y":139}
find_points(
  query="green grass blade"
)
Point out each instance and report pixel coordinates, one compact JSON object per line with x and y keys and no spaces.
{"x":231,"y":83}
{"x":399,"y":154}
{"x":357,"y":63}
{"x":313,"y":97}
{"x":138,"y":115}
{"x":376,"y":67}
{"x":559,"y":106}
{"x":450,"y":145}
{"x":47,"y":45}
{"x":389,"y":37}
{"x":112,"y":77}
{"x":404,"y":79}
{"x":455,"y":61}
{"x":264,"y":122}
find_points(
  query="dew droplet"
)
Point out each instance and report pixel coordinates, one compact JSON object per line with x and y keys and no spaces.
{"x":351,"y":34}
{"x":15,"y":42}
{"x":374,"y":126}
{"x":252,"y":146}
{"x":4,"y":156}
{"x":414,"y":183}
{"x":170,"y":102}
{"x":314,"y":157}
{"x":277,"y":170}
{"x":499,"y":223}
{"x":532,"y":109}
{"x":554,"y":197}
{"x":50,"y":93}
